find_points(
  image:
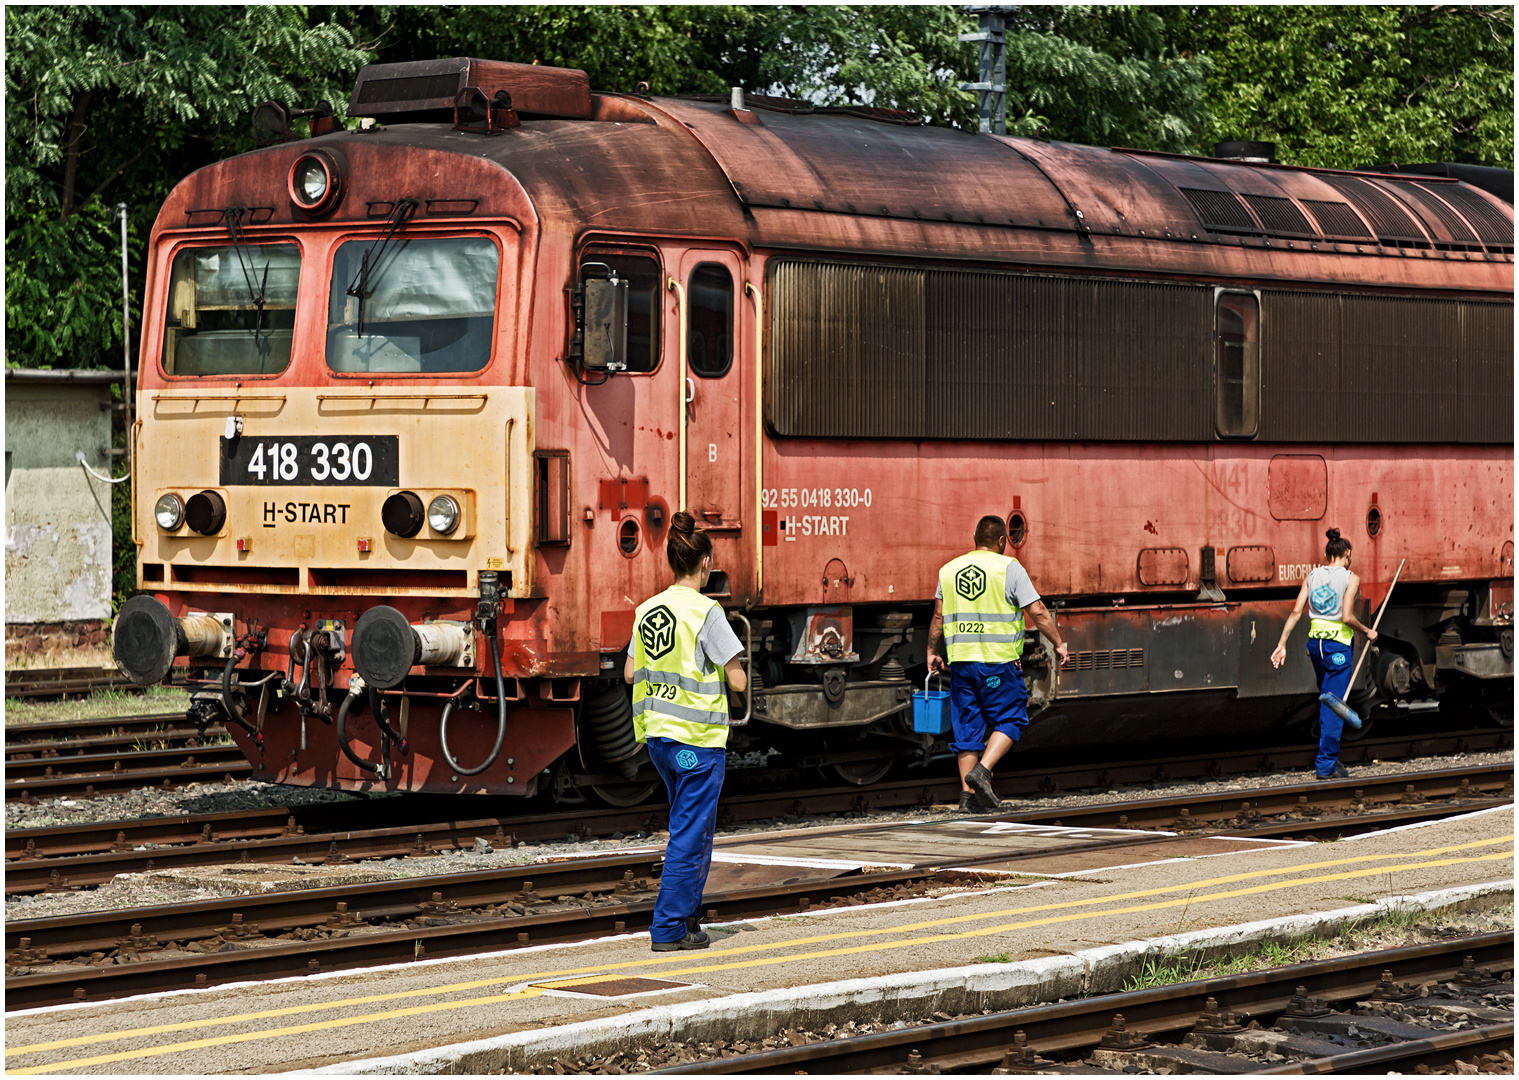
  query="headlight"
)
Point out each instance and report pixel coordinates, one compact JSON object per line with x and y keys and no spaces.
{"x":443,"y":515}
{"x":315,"y":182}
{"x":310,"y":181}
{"x":169,"y":512}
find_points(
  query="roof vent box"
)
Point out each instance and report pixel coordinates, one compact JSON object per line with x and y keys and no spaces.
{"x":424,"y":90}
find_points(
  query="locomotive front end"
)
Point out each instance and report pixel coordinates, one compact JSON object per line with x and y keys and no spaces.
{"x":334,"y":465}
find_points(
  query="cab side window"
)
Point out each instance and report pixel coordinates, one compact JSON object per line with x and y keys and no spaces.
{"x":1237,"y":369}
{"x":709,"y":326}
{"x":645,"y":301}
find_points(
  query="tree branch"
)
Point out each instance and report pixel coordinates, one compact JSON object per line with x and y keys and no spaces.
{"x":123,"y":167}
{"x":77,"y":126}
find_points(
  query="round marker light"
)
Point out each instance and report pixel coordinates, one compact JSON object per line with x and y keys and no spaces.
{"x":205,"y":513}
{"x":169,"y":512}
{"x":315,"y":182}
{"x":443,"y":515}
{"x":402,"y":514}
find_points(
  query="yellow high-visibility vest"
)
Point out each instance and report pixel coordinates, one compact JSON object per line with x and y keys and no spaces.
{"x":979,"y":623}
{"x":673,"y":698}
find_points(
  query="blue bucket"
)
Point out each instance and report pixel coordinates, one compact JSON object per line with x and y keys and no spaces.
{"x":930,"y":710}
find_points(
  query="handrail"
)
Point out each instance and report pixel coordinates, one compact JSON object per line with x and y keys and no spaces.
{"x":403,"y":397}
{"x":759,"y":447}
{"x":219,"y":397}
{"x":749,"y":682}
{"x":680,"y":303}
{"x":132,"y":472}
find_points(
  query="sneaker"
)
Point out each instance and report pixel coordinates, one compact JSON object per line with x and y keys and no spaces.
{"x":1340,"y":773}
{"x":980,"y":779}
{"x":966,"y":805}
{"x":698,"y":940}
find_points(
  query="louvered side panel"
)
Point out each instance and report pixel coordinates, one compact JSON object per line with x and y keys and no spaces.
{"x":847,"y":351}
{"x":1398,"y":377}
{"x":1001,"y":356}
{"x":1487,"y":373}
{"x":1145,"y":367}
{"x":1300,"y":366}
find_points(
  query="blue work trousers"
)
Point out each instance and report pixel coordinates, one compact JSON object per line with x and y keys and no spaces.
{"x":1331,"y":665}
{"x":693,"y":777}
{"x":984,"y":698}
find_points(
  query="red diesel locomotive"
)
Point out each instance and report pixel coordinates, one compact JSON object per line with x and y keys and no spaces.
{"x":418,"y":400}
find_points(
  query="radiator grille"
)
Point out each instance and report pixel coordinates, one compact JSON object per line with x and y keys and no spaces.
{"x":1104,"y":659}
{"x":1389,"y":220}
{"x":1337,"y":219}
{"x":1220,"y":211}
{"x":1427,"y":205}
{"x":1486,"y":218}
{"x":1279,"y":216}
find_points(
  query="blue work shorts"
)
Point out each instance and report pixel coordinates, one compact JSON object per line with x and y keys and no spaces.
{"x":984,"y":698}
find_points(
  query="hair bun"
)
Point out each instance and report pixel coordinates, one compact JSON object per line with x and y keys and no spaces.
{"x":682,"y":524}
{"x":1333,"y":534}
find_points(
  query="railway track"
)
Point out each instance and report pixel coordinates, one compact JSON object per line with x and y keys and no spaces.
{"x":1320,"y":1009}
{"x":54,"y":738}
{"x":88,"y":775}
{"x":88,"y":854}
{"x":269,"y":935}
{"x":64,"y":682}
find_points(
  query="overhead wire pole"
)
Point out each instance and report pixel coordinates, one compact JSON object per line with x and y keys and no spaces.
{"x":992,"y":86}
{"x":126,"y":325}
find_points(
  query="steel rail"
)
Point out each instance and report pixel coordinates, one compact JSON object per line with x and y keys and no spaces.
{"x":19,"y":774}
{"x":264,"y":836}
{"x":47,"y":750}
{"x":86,"y":785}
{"x":1438,"y":1049}
{"x":1079,"y":1025}
{"x":22,"y":735}
{"x":60,"y":682}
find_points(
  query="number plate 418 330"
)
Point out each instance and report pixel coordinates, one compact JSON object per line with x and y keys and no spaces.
{"x":311,"y":460}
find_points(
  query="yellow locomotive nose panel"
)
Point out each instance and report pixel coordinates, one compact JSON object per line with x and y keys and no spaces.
{"x":304,"y":475}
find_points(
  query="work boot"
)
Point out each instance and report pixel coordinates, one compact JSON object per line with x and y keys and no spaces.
{"x":980,"y":780}
{"x":693,"y":924}
{"x":1340,"y":772}
{"x":698,"y":940}
{"x":966,"y":805}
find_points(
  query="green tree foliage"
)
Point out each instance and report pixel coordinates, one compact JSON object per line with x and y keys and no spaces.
{"x":1353,"y":86}
{"x":108,"y":103}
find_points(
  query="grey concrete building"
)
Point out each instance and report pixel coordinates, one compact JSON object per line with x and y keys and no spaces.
{"x":57,"y":516}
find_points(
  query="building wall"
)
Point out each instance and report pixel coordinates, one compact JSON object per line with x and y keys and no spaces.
{"x":57,"y":517}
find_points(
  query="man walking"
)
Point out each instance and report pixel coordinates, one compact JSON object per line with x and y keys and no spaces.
{"x":979,"y":610}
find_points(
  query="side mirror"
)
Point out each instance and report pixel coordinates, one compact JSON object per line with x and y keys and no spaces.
{"x":606,"y":324}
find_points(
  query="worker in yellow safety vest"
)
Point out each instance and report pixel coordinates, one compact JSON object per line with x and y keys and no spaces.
{"x":979,"y":610}
{"x":683,"y":658}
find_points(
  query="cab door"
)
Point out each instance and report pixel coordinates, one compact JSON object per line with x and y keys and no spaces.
{"x":715,"y":469}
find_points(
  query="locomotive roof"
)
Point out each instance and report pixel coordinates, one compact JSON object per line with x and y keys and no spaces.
{"x":845,"y":183}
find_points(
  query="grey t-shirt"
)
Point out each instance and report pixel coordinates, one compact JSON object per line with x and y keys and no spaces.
{"x":1020,"y":590}
{"x":716,"y":640}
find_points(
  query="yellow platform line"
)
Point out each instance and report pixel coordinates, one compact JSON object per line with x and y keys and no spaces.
{"x":759,"y":962}
{"x":476,"y":984}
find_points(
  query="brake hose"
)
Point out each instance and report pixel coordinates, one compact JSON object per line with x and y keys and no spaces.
{"x":448,"y":709}
{"x":353,"y":695}
{"x":233,"y":712}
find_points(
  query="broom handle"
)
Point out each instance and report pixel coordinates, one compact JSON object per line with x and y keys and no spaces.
{"x":1375,"y":623}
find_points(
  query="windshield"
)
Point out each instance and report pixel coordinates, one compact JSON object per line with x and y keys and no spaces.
{"x":426,"y":305}
{"x":231,"y":311}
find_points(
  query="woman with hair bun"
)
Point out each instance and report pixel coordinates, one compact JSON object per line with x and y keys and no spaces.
{"x":1329,"y":592}
{"x":683,"y":658}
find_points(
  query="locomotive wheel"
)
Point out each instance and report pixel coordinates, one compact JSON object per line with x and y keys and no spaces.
{"x":860,"y":773}
{"x":622,"y":796}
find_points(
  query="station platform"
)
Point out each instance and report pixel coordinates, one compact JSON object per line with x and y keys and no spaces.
{"x":1037,"y":929}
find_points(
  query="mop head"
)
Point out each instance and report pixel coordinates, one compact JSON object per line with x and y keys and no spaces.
{"x":1340,"y":709}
